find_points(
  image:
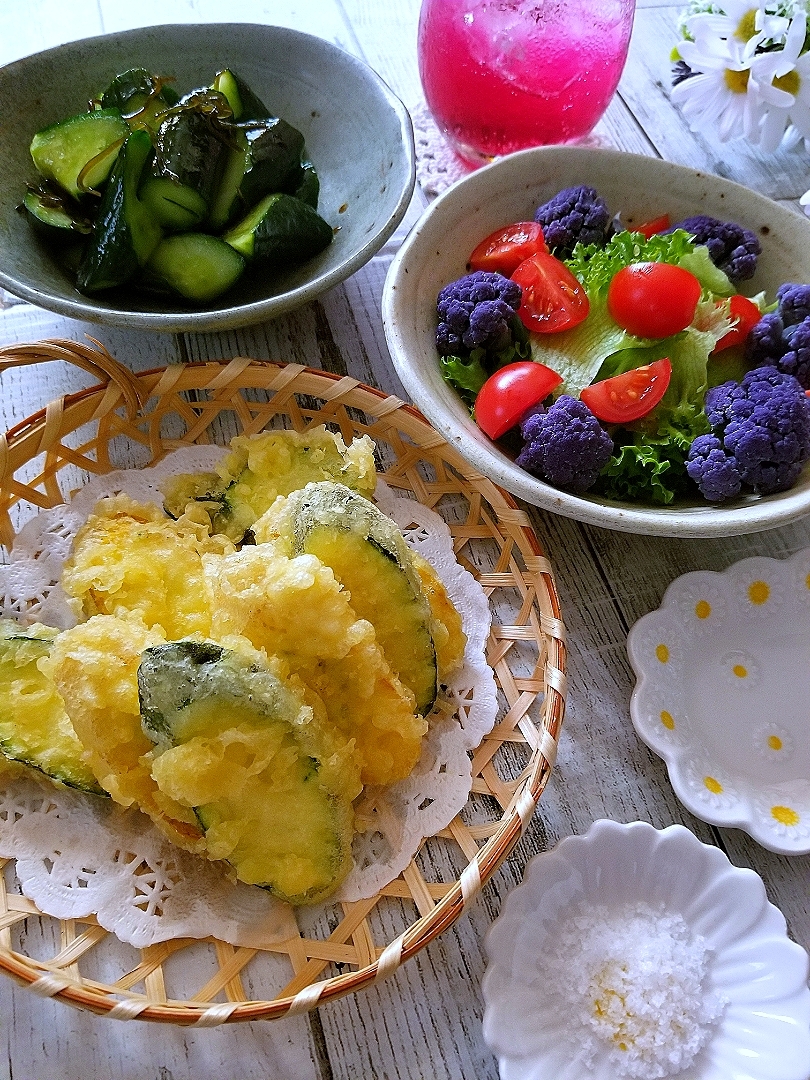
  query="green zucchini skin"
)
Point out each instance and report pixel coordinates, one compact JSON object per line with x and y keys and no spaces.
{"x":34,"y":727}
{"x":369,"y":556}
{"x":197,"y":266}
{"x":126,"y":233}
{"x":223,"y":724}
{"x":280,"y":230}
{"x":62,"y":152}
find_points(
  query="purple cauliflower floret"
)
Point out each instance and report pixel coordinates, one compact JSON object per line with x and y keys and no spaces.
{"x":794,"y":303}
{"x":565,"y":445}
{"x":732,"y":248}
{"x":782,"y":338}
{"x":762,"y":426}
{"x":765,"y":343}
{"x":795,"y":360}
{"x":575,"y":215}
{"x":714,"y":471}
{"x":475,"y":311}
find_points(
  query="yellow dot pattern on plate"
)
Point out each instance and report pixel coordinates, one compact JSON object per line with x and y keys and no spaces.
{"x":662,"y":652}
{"x":740,"y":671}
{"x":807,"y":581}
{"x":758,"y":592}
{"x":774,"y":742}
{"x":667,"y":720}
{"x":785,"y":815}
{"x":703,"y":609}
{"x":714,"y":786}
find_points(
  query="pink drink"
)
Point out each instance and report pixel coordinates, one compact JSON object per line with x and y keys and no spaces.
{"x":502,"y":75}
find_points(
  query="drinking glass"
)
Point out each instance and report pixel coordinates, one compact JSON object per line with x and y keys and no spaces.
{"x":502,"y":75}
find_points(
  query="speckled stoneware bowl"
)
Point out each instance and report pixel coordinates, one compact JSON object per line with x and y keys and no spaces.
{"x":640,"y":188}
{"x":358,"y":134}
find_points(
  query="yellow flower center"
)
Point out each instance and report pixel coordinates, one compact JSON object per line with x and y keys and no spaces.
{"x":736,"y":81}
{"x":703,"y":609}
{"x":774,"y":742}
{"x":740,"y":671}
{"x":789,"y":83}
{"x":758,"y":592}
{"x":667,"y":720}
{"x":713,"y":785}
{"x":785,"y":815}
{"x":747,"y":26}
{"x":662,"y":652}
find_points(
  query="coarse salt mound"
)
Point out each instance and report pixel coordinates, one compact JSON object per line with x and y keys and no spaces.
{"x":633,"y":987}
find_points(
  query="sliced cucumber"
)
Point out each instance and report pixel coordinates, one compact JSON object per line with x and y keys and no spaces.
{"x":195,"y":265}
{"x":175,"y":206}
{"x":242,"y":100}
{"x":78,"y":153}
{"x":126,"y":233}
{"x":239,"y":746}
{"x":190,"y":151}
{"x":140,"y":97}
{"x":54,"y":214}
{"x":281,"y":230}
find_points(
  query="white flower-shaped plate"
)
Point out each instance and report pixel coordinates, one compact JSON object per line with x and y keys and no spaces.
{"x":723,"y":693}
{"x":760,"y":974}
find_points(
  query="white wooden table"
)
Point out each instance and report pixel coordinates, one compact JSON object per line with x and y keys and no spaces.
{"x":425,"y":1022}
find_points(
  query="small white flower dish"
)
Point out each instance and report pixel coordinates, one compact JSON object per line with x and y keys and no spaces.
{"x":723,"y":683}
{"x":745,"y":1005}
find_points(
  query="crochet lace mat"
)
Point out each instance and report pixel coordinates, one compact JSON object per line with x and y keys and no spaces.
{"x":79,"y":855}
{"x":437,"y":164}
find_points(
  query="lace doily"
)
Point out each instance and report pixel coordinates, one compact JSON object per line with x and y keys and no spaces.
{"x":79,"y":855}
{"x":438,"y":166}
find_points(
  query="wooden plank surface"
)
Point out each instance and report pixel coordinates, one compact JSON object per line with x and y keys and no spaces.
{"x":426,"y":1020}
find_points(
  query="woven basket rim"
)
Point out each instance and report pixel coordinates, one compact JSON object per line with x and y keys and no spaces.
{"x":101,"y":999}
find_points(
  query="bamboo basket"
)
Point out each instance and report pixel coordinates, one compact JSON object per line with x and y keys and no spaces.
{"x":207,"y":402}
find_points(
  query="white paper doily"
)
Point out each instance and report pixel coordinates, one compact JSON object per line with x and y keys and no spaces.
{"x":79,"y":855}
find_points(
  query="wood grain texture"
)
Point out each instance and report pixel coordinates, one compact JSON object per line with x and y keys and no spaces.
{"x":426,"y":1020}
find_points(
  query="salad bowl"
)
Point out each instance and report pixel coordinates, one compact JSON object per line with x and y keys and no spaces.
{"x":638,"y":189}
{"x":357,"y":133}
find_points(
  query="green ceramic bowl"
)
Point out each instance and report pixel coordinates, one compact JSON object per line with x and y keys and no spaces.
{"x":357,"y":132}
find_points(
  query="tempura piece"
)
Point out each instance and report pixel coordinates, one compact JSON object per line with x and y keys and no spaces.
{"x":94,"y":666}
{"x":130,"y":560}
{"x":296,"y":608}
{"x":261,"y":467}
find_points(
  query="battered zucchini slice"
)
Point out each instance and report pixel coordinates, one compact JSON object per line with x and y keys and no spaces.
{"x":368,"y":555}
{"x":270,"y":789}
{"x":34,"y":727}
{"x":261,"y":467}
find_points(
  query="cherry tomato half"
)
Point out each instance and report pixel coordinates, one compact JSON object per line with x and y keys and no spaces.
{"x":747,"y":314}
{"x":505,"y":249}
{"x":553,"y":299}
{"x":510,"y":393}
{"x":650,"y":228}
{"x":652,"y":299}
{"x":629,"y":396}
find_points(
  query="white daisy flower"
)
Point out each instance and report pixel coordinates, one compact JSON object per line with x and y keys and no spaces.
{"x":719,"y":96}
{"x":782,"y":80}
{"x":742,"y":21}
